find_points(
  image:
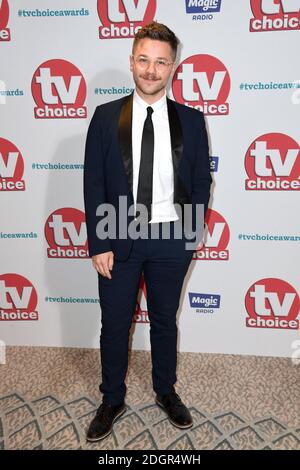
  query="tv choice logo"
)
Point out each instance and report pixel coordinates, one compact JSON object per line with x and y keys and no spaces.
{"x":272,"y":163}
{"x":65,"y":232}
{"x":122,"y":19}
{"x":11,"y":167}
{"x":4,"y":17}
{"x":202,"y":82}
{"x":272,"y":303}
{"x":275,"y":15}
{"x":204,"y":303}
{"x":217,"y":239}
{"x":203,"y":6}
{"x":59,"y":91}
{"x":18,"y":298}
{"x":141,"y":312}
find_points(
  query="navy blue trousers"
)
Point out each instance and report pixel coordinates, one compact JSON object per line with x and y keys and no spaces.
{"x":164,"y":263}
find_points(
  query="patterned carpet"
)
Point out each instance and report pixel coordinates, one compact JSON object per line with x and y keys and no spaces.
{"x":47,"y":423}
{"x":49,"y":395}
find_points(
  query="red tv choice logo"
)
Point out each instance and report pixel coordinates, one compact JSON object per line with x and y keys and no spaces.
{"x":272,"y":163}
{"x":275,"y":15}
{"x":59,"y":90}
{"x":272,"y":303}
{"x":141,"y":311}
{"x":65,"y":232}
{"x":11,"y":167}
{"x":202,"y":82}
{"x":122,"y":19}
{"x":18,"y":298}
{"x":217,"y":238}
{"x":4,"y":15}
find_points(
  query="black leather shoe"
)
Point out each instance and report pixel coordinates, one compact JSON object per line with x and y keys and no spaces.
{"x":177,"y":412}
{"x":102,"y":424}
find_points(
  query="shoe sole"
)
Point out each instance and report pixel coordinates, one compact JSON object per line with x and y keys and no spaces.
{"x":95,"y":439}
{"x":185,"y":426}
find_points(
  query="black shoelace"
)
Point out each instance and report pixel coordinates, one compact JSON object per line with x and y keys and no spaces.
{"x":175,"y":401}
{"x":104,"y":413}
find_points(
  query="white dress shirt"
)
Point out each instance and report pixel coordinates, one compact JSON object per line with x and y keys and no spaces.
{"x":163,"y":209}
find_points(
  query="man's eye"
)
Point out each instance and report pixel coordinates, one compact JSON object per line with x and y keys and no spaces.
{"x":143,"y":60}
{"x":161,"y":62}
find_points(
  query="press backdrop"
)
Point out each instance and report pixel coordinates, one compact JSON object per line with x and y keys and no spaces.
{"x":239,"y":62}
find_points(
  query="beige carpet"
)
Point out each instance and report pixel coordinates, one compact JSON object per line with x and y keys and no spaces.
{"x":49,"y":395}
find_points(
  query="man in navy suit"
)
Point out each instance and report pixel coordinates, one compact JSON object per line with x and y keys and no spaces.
{"x":152,"y":153}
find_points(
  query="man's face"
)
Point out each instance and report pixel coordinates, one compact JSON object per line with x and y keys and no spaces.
{"x":149,"y":77}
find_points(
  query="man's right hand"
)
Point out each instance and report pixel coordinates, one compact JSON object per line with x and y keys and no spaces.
{"x":103,"y":263}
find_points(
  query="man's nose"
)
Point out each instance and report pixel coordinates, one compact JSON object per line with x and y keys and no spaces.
{"x":151,"y":67}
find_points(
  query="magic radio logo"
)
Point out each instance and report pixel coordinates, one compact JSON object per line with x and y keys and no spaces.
{"x":204,"y":303}
{"x":272,"y":163}
{"x":65,"y":232}
{"x":123,"y":18}
{"x":11,"y":167}
{"x":59,"y":91}
{"x":202,"y":82}
{"x":18,"y":298}
{"x":214,"y":163}
{"x":217,"y":238}
{"x":4,"y":17}
{"x":203,"y":8}
{"x":275,"y":15}
{"x":272,"y":303}
{"x":141,"y":309}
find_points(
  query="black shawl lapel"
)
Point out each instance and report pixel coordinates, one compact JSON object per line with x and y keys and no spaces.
{"x":180,"y":193}
{"x":175,"y":134}
{"x":125,"y":137}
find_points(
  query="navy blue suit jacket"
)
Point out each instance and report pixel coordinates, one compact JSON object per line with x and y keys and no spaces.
{"x":108,"y":170}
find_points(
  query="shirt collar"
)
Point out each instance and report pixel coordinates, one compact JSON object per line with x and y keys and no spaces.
{"x":157,"y":106}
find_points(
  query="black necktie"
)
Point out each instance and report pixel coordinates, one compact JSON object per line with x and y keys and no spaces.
{"x":144,"y":193}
